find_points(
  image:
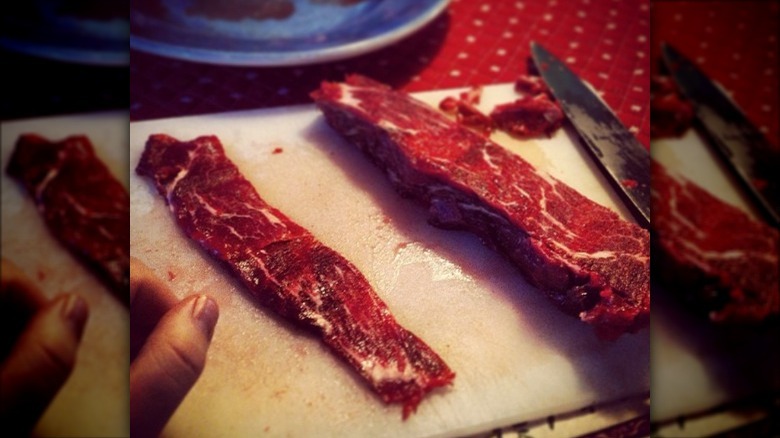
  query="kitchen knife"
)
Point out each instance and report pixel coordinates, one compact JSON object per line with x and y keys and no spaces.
{"x":619,"y":155}
{"x":739,"y":144}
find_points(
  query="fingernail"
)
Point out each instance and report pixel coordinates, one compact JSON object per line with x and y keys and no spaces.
{"x":205,"y":311}
{"x":75,"y":310}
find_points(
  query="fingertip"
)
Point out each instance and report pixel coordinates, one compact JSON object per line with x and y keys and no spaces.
{"x":205,"y":311}
{"x":42,"y":358}
{"x":170,"y":362}
{"x":75,"y":311}
{"x":57,"y":332}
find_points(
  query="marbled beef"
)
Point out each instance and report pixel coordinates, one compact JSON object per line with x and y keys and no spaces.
{"x":84,"y":206}
{"x":588,"y":260}
{"x":288,"y":270}
{"x":721,"y":260}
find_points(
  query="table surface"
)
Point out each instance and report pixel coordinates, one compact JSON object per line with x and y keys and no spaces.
{"x":735,"y":43}
{"x":37,"y":87}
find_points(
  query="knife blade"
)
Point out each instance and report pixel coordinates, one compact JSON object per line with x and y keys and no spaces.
{"x":617,"y":153}
{"x":745,"y":151}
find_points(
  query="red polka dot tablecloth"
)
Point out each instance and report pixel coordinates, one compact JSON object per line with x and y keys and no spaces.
{"x":735,"y":43}
{"x":482,"y":42}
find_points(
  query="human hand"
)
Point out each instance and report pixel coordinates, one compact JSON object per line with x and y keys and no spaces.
{"x":39,"y":339}
{"x":168,"y":344}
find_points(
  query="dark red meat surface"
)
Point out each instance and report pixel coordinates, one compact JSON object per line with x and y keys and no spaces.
{"x":529,"y":116}
{"x":588,"y":260}
{"x":722,"y":261}
{"x":288,"y":270}
{"x":672,"y":115}
{"x":531,"y":85}
{"x":84,"y":206}
{"x":534,"y":114}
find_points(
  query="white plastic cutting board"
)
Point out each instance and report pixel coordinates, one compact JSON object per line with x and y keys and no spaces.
{"x":516,"y":356}
{"x":93,"y":401}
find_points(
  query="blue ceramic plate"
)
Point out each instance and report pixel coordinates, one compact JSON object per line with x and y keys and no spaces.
{"x":274,"y":32}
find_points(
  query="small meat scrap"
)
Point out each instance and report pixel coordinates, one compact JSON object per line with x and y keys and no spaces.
{"x":534,"y":114}
{"x":465,"y":111}
{"x":83,"y":205}
{"x":671,"y":114}
{"x":285,"y":268}
{"x":529,"y":117}
{"x":718,"y":259}
{"x":472,"y":96}
{"x":449,"y":105}
{"x":629,"y":183}
{"x":591,"y":263}
{"x":531,"y":85}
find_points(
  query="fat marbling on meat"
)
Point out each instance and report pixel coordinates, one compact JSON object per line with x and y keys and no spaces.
{"x":588,"y":260}
{"x":83,"y":205}
{"x":721,"y":261}
{"x":288,"y":270}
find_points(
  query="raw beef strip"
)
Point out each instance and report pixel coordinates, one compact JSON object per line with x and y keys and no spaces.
{"x":724,"y":262}
{"x":587,"y":259}
{"x":288,"y":270}
{"x":83,"y":205}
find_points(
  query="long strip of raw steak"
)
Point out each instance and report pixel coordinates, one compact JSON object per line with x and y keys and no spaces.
{"x":288,"y":269}
{"x":723,"y":261}
{"x":84,"y":206}
{"x":588,"y":260}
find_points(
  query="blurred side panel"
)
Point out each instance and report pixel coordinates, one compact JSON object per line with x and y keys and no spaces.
{"x":66,"y":73}
{"x":715,"y":365}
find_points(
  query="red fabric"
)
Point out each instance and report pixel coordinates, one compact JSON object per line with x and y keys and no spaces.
{"x":606,"y":42}
{"x":735,"y":43}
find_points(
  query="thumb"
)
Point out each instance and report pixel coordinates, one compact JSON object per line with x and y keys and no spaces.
{"x":41,"y":361}
{"x":170,"y":363}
